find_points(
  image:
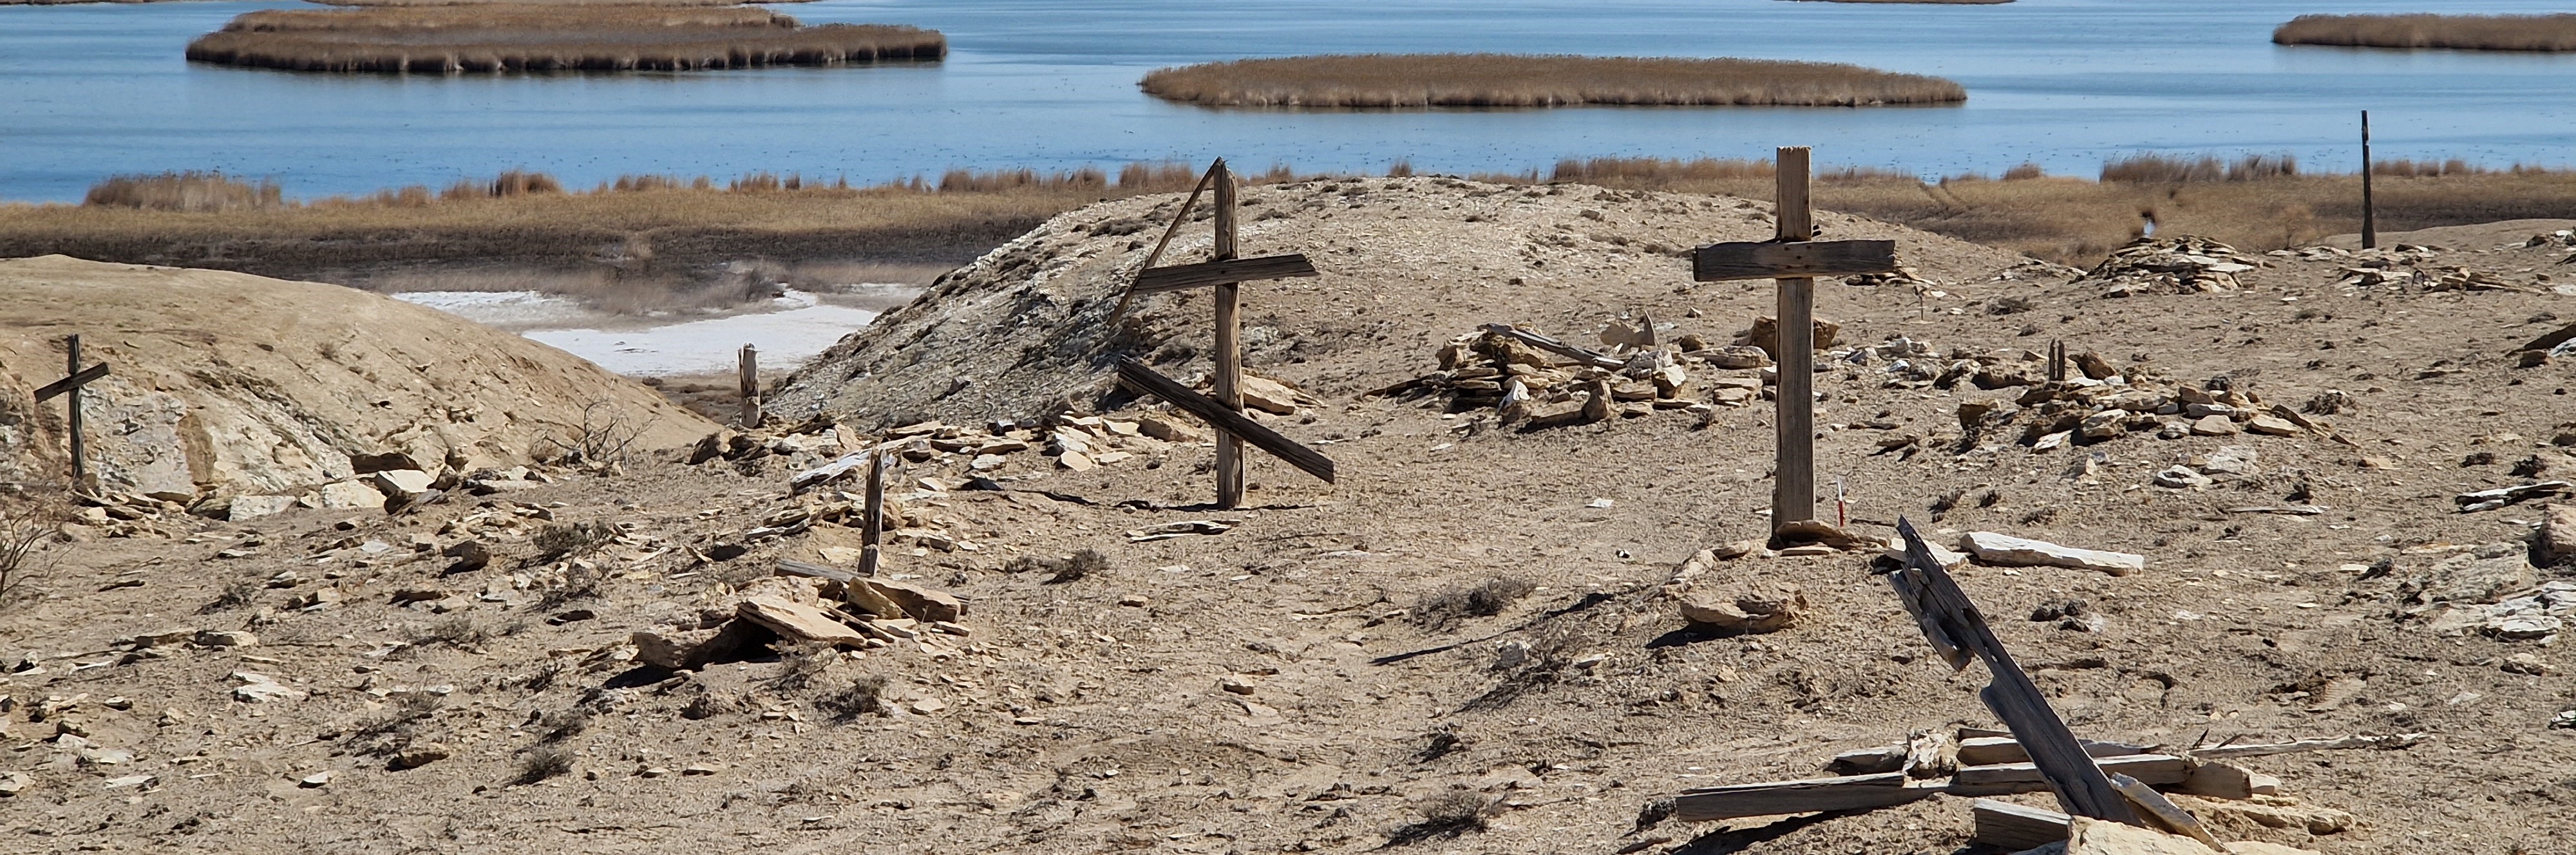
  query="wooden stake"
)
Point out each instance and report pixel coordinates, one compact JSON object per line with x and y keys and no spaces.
{"x":2369,"y":210}
{"x":872,"y":529}
{"x":751,"y":414}
{"x":80,"y":443}
{"x":1229,"y":347}
{"x":1793,"y":496}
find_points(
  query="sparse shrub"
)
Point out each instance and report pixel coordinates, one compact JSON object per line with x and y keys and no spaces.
{"x":603,"y":438}
{"x":391,"y":732}
{"x":1070,"y":568}
{"x":1445,"y":816}
{"x":579,"y":582}
{"x":706,"y":706}
{"x":28,"y":519}
{"x":562,"y":725}
{"x":456,"y":631}
{"x":557,"y":542}
{"x":864,"y":695}
{"x":1447,"y":607}
{"x":543,"y":762}
{"x":236,"y":595}
{"x":801,"y":666}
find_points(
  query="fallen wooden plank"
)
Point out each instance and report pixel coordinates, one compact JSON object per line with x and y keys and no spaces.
{"x":2213,"y":752}
{"x":1854,"y":792}
{"x":1990,"y":750}
{"x":1948,"y":618}
{"x":2162,"y":812}
{"x":2013,"y":828}
{"x":2004,"y":550}
{"x":829,"y":471}
{"x":1179,"y":276}
{"x":814,"y":571}
{"x":795,"y":621}
{"x":1307,"y":459}
{"x":72,"y":382}
{"x":2007,"y":778}
{"x":1554,"y":346}
{"x":1718,"y":262}
{"x":2550,"y":341}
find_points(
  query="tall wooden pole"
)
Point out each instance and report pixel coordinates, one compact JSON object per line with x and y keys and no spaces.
{"x":2369,"y":210}
{"x":1793,"y":493}
{"x":80,"y":443}
{"x":750,"y":380}
{"x":872,"y":529}
{"x":1229,"y":347}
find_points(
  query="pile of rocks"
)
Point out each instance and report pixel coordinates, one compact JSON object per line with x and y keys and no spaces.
{"x":850,"y":612}
{"x":2055,"y":414}
{"x":2176,"y":265}
{"x":1067,"y":440}
{"x":1636,"y":376}
{"x":2487,"y":588}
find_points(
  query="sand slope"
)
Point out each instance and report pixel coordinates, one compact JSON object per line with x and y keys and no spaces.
{"x":227,"y":382}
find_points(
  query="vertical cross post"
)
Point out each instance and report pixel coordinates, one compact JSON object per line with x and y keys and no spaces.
{"x":2369,"y":210}
{"x":80,"y":443}
{"x":1793,"y":492}
{"x":1229,"y":347}
{"x":872,"y":529}
{"x":750,"y":380}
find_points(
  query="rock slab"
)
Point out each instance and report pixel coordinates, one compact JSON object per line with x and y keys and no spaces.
{"x":2008,"y":551}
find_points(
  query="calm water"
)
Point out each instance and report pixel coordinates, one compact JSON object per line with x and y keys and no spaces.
{"x":87,"y":91}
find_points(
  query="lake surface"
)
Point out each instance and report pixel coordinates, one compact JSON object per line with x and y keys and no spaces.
{"x":88,"y":91}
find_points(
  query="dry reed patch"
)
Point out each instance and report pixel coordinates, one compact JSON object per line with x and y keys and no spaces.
{"x":561,"y":37}
{"x":2454,"y":32}
{"x":184,"y":191}
{"x":1505,"y":80}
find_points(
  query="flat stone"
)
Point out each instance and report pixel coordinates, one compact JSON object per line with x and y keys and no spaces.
{"x":259,"y":689}
{"x":2524,"y":627}
{"x":2232,"y":460}
{"x":2272,"y":426}
{"x":2182,"y":478}
{"x":2104,"y":425}
{"x":225,"y":638}
{"x":1949,"y":559}
{"x":926,"y":604}
{"x":2089,"y":836}
{"x":2009,"y":551}
{"x":2481,"y":576}
{"x":2213,"y":426}
{"x":702,"y":769}
{"x":317,"y":779}
{"x":1752,"y":607}
{"x":251,"y":507}
{"x":128,"y":781}
{"x":1267,"y":395}
{"x":417,"y":756}
{"x":1234,"y":685}
{"x":798,"y":622}
{"x":401,"y":483}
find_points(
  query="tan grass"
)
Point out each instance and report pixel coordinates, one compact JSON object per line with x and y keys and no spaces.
{"x":184,"y":191}
{"x":1505,"y":80}
{"x":563,"y":37}
{"x":2456,"y":32}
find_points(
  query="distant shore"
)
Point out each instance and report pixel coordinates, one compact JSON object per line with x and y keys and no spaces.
{"x":554,"y":37}
{"x":1380,"y":81}
{"x":2544,"y":33}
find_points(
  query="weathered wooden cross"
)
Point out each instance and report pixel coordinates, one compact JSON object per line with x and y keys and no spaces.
{"x":1794,"y":258}
{"x":1224,"y":272}
{"x":71,"y":386}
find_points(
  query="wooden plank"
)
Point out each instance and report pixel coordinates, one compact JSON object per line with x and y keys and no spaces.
{"x":872,"y":526}
{"x":1552,"y":345}
{"x":2546,"y":342}
{"x":1228,"y":384}
{"x":1990,"y":750}
{"x":2162,"y":812}
{"x":1144,"y":379}
{"x":2005,"y":778}
{"x":1178,"y":217}
{"x":1720,"y":262}
{"x":814,"y":571}
{"x":1158,"y":279}
{"x":77,"y":380}
{"x":1948,"y":617}
{"x":2014,"y":828}
{"x":2402,"y":740}
{"x":1793,"y":484}
{"x":1786,"y":797}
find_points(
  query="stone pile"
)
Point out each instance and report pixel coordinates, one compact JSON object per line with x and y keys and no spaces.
{"x":847,"y":611}
{"x":2487,"y":588}
{"x":1067,"y":440}
{"x":2175,"y":265}
{"x":2082,"y":411}
{"x":1636,"y":376}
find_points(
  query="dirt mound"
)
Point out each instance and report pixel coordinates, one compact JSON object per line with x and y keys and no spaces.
{"x":227,"y":382}
{"x":1408,"y":264}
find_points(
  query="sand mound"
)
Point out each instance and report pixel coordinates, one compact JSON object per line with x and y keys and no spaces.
{"x":1408,"y":263}
{"x":227,"y":382}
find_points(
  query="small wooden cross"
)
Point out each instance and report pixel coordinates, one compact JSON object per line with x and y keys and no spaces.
{"x":71,"y":386}
{"x":1794,"y":258}
{"x":1224,"y":272}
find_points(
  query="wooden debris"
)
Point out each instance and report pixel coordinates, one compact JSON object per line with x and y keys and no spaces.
{"x":2005,"y":778}
{"x":2164,"y":814}
{"x":2396,"y":741}
{"x":2486,"y":500}
{"x":1554,"y":346}
{"x":2013,"y":828}
{"x":2226,"y":781}
{"x":1786,"y":797}
{"x":1990,"y":750}
{"x":1182,"y":528}
{"x":1931,"y":754}
{"x":1226,"y":419}
{"x":1232,"y":270}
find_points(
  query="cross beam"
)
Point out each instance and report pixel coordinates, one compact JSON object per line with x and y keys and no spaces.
{"x":1226,"y":419}
{"x":1719,"y":262}
{"x":1176,"y":277}
{"x":71,"y":383}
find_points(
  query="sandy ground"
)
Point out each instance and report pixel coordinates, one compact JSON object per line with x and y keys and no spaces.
{"x":1087,"y":715}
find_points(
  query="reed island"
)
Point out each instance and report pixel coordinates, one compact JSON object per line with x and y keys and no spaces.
{"x":551,"y":37}
{"x":2441,"y":32}
{"x":1509,"y":80}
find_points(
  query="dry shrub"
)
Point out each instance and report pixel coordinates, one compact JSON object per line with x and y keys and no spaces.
{"x":394,"y":730}
{"x":1449,"y":606}
{"x":1070,"y":568}
{"x":864,"y":695}
{"x":803,"y":665}
{"x":543,"y":762}
{"x":1445,"y":815}
{"x":457,"y":631}
{"x":192,"y":192}
{"x":28,"y":519}
{"x":1504,"y":80}
{"x":2154,"y":168}
{"x":520,"y":37}
{"x":572,"y":540}
{"x":2461,"y":32}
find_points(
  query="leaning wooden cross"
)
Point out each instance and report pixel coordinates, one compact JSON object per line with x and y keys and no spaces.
{"x":1794,"y":258}
{"x":71,"y":386}
{"x":1224,"y":272}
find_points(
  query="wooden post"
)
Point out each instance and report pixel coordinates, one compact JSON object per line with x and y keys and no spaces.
{"x":1793,"y":492}
{"x":1229,"y":347}
{"x":2369,"y":208}
{"x":750,"y":378}
{"x":2057,"y":361}
{"x":80,"y":442}
{"x":872,"y":529}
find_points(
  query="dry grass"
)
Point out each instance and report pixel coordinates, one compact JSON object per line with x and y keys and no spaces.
{"x":553,"y":37}
{"x":2455,"y":32}
{"x":184,"y":191}
{"x":1505,"y":80}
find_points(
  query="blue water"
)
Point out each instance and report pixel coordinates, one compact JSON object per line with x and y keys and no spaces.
{"x":88,"y":91}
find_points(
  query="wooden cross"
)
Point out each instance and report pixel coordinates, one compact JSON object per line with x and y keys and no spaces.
{"x":71,"y":386}
{"x":1224,"y":272}
{"x":1794,"y":258}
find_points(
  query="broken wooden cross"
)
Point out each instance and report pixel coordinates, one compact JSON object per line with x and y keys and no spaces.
{"x":1227,"y":420}
{"x":1225,"y":273}
{"x":1794,"y":258}
{"x":71,"y":386}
